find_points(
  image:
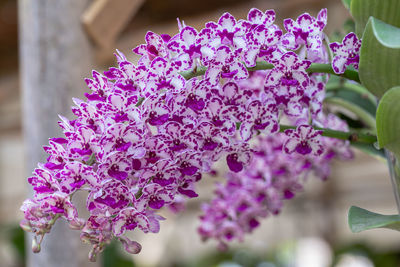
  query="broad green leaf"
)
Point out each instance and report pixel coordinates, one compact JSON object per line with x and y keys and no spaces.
{"x":385,"y":10}
{"x":380,"y":57}
{"x":361,"y":220}
{"x":346,"y":3}
{"x":388,"y":121}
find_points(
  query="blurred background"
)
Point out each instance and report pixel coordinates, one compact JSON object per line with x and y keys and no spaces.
{"x":312,"y":229}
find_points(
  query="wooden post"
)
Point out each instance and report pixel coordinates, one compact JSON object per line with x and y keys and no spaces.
{"x":55,"y":56}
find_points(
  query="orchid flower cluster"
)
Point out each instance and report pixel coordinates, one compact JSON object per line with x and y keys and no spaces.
{"x":272,"y":176}
{"x":147,"y":132}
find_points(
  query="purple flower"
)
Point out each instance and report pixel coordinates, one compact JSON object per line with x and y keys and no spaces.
{"x":225,"y":65}
{"x":156,"y":46}
{"x":306,"y":30}
{"x":110,"y":198}
{"x":121,"y":137}
{"x":256,"y":17}
{"x":303,"y":140}
{"x":164,"y":173}
{"x":260,"y":117}
{"x":156,"y":196}
{"x":163,"y":76}
{"x":190,"y":46}
{"x":74,"y":175}
{"x":130,"y":218}
{"x":347,"y":53}
{"x":178,"y":137}
{"x":287,"y":82}
{"x":263,"y":43}
{"x":228,"y":31}
{"x":115,"y":165}
{"x":238,"y":157}
{"x":43,"y":182}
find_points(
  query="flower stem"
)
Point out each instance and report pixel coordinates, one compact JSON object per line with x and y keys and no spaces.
{"x":353,"y":137}
{"x":262,"y":65}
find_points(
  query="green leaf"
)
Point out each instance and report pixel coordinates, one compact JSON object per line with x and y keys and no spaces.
{"x":346,"y":3}
{"x":361,"y":220}
{"x":380,"y":57}
{"x":388,"y":121}
{"x":385,"y":10}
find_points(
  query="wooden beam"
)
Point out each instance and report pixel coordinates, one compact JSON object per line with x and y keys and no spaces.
{"x":104,"y":20}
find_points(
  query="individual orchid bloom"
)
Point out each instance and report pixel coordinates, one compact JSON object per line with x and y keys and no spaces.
{"x":59,"y":203}
{"x":190,"y":163}
{"x":156,"y":149}
{"x":303,"y":140}
{"x":130,"y":218}
{"x":263,"y":44}
{"x":289,"y":71}
{"x":238,"y":156}
{"x":232,"y":95}
{"x":121,"y":137}
{"x":128,"y":78}
{"x":88,"y":114}
{"x":155,"y":196}
{"x":80,"y":143}
{"x":225,"y":65}
{"x":256,"y":17}
{"x":260,"y":117}
{"x":115,"y":165}
{"x":209,"y":137}
{"x":99,"y":85}
{"x":178,"y":137}
{"x":306,"y":30}
{"x":228,"y":31}
{"x":190,"y":45}
{"x":57,"y":154}
{"x":347,"y":53}
{"x":44,"y":182}
{"x":156,"y":112}
{"x":119,"y":108}
{"x":110,"y":198}
{"x":186,"y":187}
{"x":163,"y":76}
{"x":164,"y":173}
{"x":74,"y":175}
{"x":156,"y":46}
{"x":221,"y":116}
{"x":193,"y":99}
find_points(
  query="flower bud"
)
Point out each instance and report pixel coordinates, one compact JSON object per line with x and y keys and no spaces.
{"x":130,"y":246}
{"x":35,"y":245}
{"x":93,"y":255}
{"x":77,"y":224}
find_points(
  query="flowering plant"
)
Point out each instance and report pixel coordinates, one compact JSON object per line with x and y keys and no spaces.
{"x":148,"y":132}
